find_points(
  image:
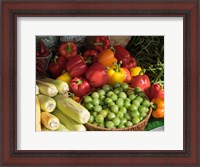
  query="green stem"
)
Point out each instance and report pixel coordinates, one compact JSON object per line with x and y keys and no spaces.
{"x":98,"y":43}
{"x":79,"y":82}
{"x":159,"y":75}
{"x":142,"y":71}
{"x":55,"y":59}
{"x":113,"y":49}
{"x":154,"y":106}
{"x":71,"y":94}
{"x":118,"y":65}
{"x":68,"y":49}
{"x":88,"y":60}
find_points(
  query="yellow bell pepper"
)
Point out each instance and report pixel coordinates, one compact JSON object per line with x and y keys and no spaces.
{"x":116,"y":74}
{"x":135,"y":71}
{"x":65,"y":77}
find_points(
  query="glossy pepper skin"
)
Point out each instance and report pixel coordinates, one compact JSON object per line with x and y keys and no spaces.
{"x":107,"y":58}
{"x":156,"y":91}
{"x":62,"y":62}
{"x":130,"y":64}
{"x":76,"y":66}
{"x":56,"y":66}
{"x":90,"y":56}
{"x":101,"y":43}
{"x":67,"y":49}
{"x":158,"y":107}
{"x":80,"y":86}
{"x":141,"y":81}
{"x":128,"y":75}
{"x":135,"y":71}
{"x":116,"y":74}
{"x":97,"y":75}
{"x":98,"y":43}
{"x":121,"y":53}
{"x":65,"y":77}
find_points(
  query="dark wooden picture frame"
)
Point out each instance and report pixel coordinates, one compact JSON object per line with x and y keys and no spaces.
{"x":189,"y":10}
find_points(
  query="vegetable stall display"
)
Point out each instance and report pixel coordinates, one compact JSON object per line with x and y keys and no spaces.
{"x":100,"y":86}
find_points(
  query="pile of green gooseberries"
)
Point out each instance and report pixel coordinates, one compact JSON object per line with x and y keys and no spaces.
{"x":116,"y":106}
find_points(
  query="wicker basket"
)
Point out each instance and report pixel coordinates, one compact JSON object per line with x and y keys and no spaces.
{"x":119,"y":40}
{"x":138,"y":127}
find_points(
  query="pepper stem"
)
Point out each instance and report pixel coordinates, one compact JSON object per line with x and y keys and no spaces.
{"x":154,"y":106}
{"x":71,"y":94}
{"x":142,"y":72}
{"x":55,"y":59}
{"x":68,"y":48}
{"x":88,"y":60}
{"x":79,"y":82}
{"x":113,"y":49}
{"x":64,"y":71}
{"x":99,"y":43}
{"x":117,"y":66}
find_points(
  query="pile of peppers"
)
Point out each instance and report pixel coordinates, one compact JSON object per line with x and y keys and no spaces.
{"x":98,"y":64}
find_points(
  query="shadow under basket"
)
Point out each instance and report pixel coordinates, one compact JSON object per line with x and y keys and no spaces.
{"x":138,"y":127}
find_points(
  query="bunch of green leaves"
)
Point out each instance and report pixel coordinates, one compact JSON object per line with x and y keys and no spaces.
{"x":154,"y":123}
{"x":149,"y":54}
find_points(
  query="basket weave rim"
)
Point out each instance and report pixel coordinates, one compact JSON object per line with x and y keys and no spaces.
{"x":121,"y":129}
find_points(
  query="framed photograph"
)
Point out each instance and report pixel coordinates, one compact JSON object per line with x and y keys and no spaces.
{"x":100,"y":83}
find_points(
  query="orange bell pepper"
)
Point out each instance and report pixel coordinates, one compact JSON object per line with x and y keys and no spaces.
{"x":107,"y":58}
{"x":158,"y":107}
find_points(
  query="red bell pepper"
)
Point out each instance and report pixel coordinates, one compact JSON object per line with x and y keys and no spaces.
{"x":98,"y":43}
{"x":156,"y":91}
{"x":55,"y":68}
{"x":97,"y":75}
{"x":62,"y":62}
{"x":121,"y":53}
{"x":130,"y":64}
{"x":102,"y":43}
{"x":90,"y":56}
{"x":76,"y":66}
{"x":80,"y":86}
{"x":141,"y":81}
{"x":128,"y":75}
{"x":67,"y":49}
